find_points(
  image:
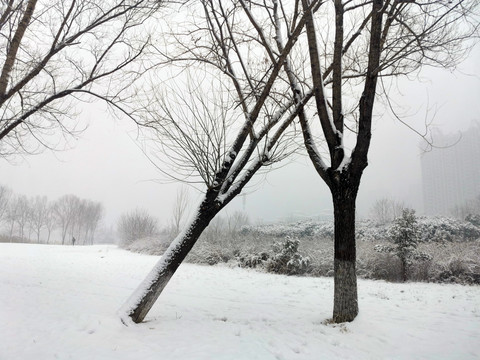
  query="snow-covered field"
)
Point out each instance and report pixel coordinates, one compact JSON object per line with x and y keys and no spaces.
{"x":61,"y":302}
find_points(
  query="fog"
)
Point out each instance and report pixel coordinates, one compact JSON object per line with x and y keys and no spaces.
{"x":105,"y":163}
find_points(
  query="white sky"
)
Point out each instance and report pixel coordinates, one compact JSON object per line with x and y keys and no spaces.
{"x":106,"y":165}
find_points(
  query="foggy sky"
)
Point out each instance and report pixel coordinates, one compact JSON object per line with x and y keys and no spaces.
{"x":106,"y":165}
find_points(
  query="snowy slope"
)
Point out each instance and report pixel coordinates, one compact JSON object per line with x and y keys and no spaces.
{"x":61,"y":302}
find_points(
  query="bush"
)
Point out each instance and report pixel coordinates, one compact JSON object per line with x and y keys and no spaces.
{"x":458,"y":270}
{"x":299,"y":229}
{"x":441,"y":229}
{"x":153,"y":245}
{"x":457,"y":262}
{"x":253,"y":260}
{"x":473,"y":219}
{"x":404,"y":234}
{"x":380,"y":266}
{"x":208,"y":254}
{"x":286,"y":259}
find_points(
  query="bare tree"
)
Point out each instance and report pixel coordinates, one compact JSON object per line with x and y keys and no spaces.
{"x":386,"y":210}
{"x":12,"y":213}
{"x":50,"y":220}
{"x":180,"y":206}
{"x":39,"y":214}
{"x":65,"y":211}
{"x":79,"y":221}
{"x":215,"y":229}
{"x":93,"y":215}
{"x":55,"y":53}
{"x":77,"y":218}
{"x":236,"y":118}
{"x":5,"y":195}
{"x":22,"y":211}
{"x":372,"y":41}
{"x":381,"y":211}
{"x":235,"y":221}
{"x":136,"y":225}
{"x":267,"y":61}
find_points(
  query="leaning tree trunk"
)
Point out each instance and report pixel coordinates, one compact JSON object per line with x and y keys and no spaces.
{"x":142,"y":300}
{"x":345,"y":302}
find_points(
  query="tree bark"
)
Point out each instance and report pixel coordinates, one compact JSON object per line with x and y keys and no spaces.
{"x":404,"y":269}
{"x":14,"y":46}
{"x":142,"y":300}
{"x":345,"y":301}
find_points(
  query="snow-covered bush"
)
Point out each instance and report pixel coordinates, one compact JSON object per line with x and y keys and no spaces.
{"x":473,"y":219}
{"x":298,"y":229}
{"x":456,"y":263}
{"x":151,"y":245}
{"x":286,"y":259}
{"x":208,"y":253}
{"x":321,"y":257}
{"x":404,"y":233}
{"x":441,"y":229}
{"x":457,"y":270}
{"x":253,"y":260}
{"x":431,"y":229}
{"x":451,"y":261}
{"x":379,"y":266}
{"x":368,"y":230}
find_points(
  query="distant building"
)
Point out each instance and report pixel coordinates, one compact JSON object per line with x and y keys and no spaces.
{"x":451,"y":175}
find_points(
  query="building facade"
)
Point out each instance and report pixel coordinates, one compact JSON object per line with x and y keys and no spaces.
{"x":451,"y":171}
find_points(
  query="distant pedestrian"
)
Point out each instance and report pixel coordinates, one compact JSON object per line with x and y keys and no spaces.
{"x":73,"y":240}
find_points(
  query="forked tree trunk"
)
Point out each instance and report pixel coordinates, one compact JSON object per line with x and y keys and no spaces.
{"x":345,"y":303}
{"x":142,"y":300}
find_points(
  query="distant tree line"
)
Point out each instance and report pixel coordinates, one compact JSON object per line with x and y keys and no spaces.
{"x":36,"y":218}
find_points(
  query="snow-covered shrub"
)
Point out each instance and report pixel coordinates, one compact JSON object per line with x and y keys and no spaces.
{"x":441,"y":229}
{"x":286,"y":259}
{"x":368,"y":230}
{"x":458,"y":264}
{"x":298,"y":229}
{"x":473,"y":219}
{"x":151,"y":245}
{"x":215,"y":258}
{"x":459,"y":270}
{"x":321,"y":259}
{"x":380,"y":266}
{"x":253,"y":260}
{"x":421,"y":270}
{"x":404,"y":233}
{"x":452,"y":261}
{"x":208,"y":253}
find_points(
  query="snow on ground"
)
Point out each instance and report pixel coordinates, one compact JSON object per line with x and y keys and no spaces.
{"x":60,"y":302}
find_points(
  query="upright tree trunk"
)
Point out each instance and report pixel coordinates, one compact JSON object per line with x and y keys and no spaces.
{"x":345,"y":301}
{"x":150,"y":289}
{"x":404,"y":269}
